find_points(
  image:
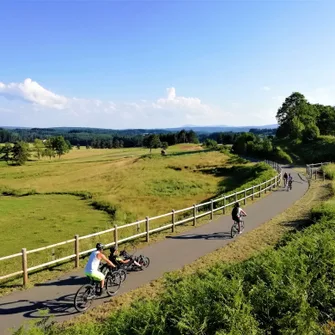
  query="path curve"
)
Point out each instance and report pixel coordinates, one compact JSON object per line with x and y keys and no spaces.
{"x":167,"y":255}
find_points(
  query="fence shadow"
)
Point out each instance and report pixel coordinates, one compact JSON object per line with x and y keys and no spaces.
{"x":214,"y":236}
{"x":72,"y":280}
{"x":32,"y":309}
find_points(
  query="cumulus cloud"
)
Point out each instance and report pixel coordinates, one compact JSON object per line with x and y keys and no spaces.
{"x":266,"y":88}
{"x":33,"y":92}
{"x":165,"y":111}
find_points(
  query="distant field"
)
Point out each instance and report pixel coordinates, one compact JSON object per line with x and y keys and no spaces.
{"x":141,"y":186}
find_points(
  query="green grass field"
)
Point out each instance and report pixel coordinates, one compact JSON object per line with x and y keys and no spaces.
{"x":126,"y":184}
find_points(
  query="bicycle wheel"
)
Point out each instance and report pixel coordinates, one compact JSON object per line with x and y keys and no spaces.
{"x":145,"y":262}
{"x":113,"y":283}
{"x":84,"y":297}
{"x":242,"y":225}
{"x":123,"y":274}
{"x":234,"y":230}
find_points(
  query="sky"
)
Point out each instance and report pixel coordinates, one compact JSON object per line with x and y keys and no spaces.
{"x":155,"y":64}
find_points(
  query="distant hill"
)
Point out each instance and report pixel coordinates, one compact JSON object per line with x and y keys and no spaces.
{"x":197,"y":129}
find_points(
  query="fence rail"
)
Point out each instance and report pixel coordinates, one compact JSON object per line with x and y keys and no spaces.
{"x":208,"y":207}
{"x":315,"y":169}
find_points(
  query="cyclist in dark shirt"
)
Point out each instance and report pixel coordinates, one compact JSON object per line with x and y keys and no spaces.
{"x":118,"y":260}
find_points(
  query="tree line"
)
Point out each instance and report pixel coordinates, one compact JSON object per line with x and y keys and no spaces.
{"x":20,"y":152}
{"x":98,"y":138}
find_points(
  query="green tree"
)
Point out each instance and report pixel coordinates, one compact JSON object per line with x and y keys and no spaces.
{"x":48,"y":149}
{"x":6,"y":152}
{"x":326,"y":119}
{"x":78,"y":146}
{"x":152,"y":142}
{"x":294,"y":115}
{"x":310,"y":133}
{"x":210,"y":144}
{"x":164,"y":145}
{"x":39,"y":147}
{"x":59,"y":145}
{"x":20,"y":152}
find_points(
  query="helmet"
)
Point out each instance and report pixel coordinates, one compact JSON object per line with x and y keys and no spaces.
{"x":237,"y":204}
{"x":99,"y":246}
{"x":113,"y":249}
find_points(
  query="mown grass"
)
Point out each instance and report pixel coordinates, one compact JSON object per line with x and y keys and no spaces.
{"x":104,"y":320}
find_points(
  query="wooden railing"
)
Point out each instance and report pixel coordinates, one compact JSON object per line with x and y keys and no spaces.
{"x":314,"y":169}
{"x":209,"y":208}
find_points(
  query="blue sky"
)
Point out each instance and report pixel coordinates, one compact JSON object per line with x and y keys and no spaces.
{"x":123,"y":64}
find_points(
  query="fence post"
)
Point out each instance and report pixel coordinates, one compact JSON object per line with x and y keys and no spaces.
{"x":259,"y":194}
{"x":147,"y":227}
{"x":24,"y":267}
{"x":235,"y":197}
{"x":212,"y":209}
{"x":76,"y":251}
{"x":253,"y":192}
{"x":245,"y":196}
{"x":173,"y":221}
{"x":194,"y":215}
{"x":315,"y":173}
{"x":275,"y":182}
{"x":265,"y":187}
{"x":115,"y":235}
{"x":324,"y":175}
{"x":224,"y":204}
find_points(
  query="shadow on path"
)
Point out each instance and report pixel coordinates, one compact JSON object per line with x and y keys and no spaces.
{"x":214,"y":236}
{"x":32,"y":309}
{"x":72,"y":280}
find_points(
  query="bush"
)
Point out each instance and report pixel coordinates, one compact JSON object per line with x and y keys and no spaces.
{"x":280,"y":156}
{"x":329,"y":170}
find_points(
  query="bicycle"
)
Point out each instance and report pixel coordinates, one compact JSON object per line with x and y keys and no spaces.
{"x":104,"y":268}
{"x":88,"y":292}
{"x":234,"y":229}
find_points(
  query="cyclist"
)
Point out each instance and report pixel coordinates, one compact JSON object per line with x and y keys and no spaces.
{"x":116,"y":259}
{"x":285,"y":179}
{"x":236,"y":214}
{"x":289,"y":183}
{"x":92,"y":266}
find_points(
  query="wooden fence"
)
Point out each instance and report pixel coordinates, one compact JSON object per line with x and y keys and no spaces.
{"x":316,"y":169}
{"x":197,"y":211}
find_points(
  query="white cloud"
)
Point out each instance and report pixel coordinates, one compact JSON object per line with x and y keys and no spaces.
{"x":47,"y":107}
{"x":31,"y":91}
{"x":266,"y":88}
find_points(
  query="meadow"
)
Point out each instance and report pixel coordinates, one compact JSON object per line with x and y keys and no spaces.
{"x":49,"y":201}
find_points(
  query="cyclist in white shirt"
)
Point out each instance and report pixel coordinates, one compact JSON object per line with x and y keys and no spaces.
{"x":92,"y":266}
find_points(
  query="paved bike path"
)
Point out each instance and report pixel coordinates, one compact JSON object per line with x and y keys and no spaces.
{"x":170,"y":254}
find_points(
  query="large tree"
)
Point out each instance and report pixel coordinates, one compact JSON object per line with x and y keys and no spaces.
{"x":6,"y":152}
{"x":152,"y":141}
{"x":326,"y":119}
{"x":59,"y":145}
{"x":294,"y":116}
{"x":20,"y":152}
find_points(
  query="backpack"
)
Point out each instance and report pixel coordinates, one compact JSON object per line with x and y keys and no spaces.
{"x":234,"y":212}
